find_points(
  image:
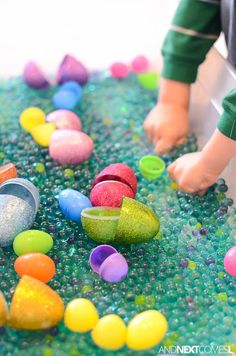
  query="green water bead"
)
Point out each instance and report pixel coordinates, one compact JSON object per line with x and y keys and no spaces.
{"x":39,"y":167}
{"x":32,"y":241}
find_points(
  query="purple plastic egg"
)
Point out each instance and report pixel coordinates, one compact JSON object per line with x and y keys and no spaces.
{"x":98,"y":256}
{"x":34,"y":77}
{"x":70,"y":147}
{"x":114,"y":268}
{"x":71,"y":69}
{"x":65,"y":120}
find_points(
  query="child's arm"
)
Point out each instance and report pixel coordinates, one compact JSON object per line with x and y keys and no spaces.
{"x":195,"y":172}
{"x":195,"y":27}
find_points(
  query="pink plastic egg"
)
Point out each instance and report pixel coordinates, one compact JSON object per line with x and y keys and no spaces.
{"x":65,"y":120}
{"x":34,"y":77}
{"x":119,"y":70}
{"x":140,"y":64}
{"x":110,"y":193}
{"x":72,"y":69}
{"x":230,"y":261}
{"x":118,"y":172}
{"x":70,"y":147}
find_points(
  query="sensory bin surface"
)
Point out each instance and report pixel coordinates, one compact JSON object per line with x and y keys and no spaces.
{"x":180,"y":273}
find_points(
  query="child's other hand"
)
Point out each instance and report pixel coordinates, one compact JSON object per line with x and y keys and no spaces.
{"x":192,"y":173}
{"x":167,"y":126}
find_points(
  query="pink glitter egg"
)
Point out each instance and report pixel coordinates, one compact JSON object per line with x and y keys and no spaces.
{"x":139,"y":64}
{"x":65,"y":120}
{"x":230,"y":261}
{"x":34,"y":77}
{"x":110,"y":193}
{"x":70,"y":147}
{"x":119,"y":172}
{"x":71,"y":69}
{"x":119,"y":70}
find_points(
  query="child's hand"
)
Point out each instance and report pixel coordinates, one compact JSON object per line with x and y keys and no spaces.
{"x":167,"y":126}
{"x":192,"y":173}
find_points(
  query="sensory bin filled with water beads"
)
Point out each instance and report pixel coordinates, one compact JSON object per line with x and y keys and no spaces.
{"x":179,"y":273}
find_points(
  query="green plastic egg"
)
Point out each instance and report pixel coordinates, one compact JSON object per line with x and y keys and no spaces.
{"x":32,"y":241}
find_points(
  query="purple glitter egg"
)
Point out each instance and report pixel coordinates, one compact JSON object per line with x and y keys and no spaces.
{"x":108,"y":263}
{"x":34,"y":77}
{"x":98,"y":256}
{"x":72,"y":69}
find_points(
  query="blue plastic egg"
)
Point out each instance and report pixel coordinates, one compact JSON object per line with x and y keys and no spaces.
{"x":74,"y":87}
{"x":64,"y":99}
{"x":72,"y":203}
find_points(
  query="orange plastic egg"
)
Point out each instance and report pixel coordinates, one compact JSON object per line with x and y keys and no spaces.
{"x":36,"y":265}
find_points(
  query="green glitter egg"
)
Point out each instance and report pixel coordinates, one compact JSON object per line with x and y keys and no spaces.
{"x":137,"y":223}
{"x":32,"y":241}
{"x":148,"y":80}
{"x":100,"y":223}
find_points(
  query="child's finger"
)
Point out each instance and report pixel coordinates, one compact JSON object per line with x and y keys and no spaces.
{"x":181,"y":141}
{"x":163,"y":146}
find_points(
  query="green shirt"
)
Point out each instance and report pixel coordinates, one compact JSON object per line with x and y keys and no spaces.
{"x":194,"y":29}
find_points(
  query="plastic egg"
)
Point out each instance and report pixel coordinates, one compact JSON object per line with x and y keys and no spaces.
{"x":119,"y":70}
{"x":32,"y":241}
{"x":74,"y":87}
{"x":119,"y":172}
{"x":19,"y":202}
{"x":35,"y":306}
{"x":70,"y":147}
{"x":7,"y":171}
{"x":110,"y":332}
{"x":148,"y":80}
{"x":110,"y":193}
{"x":230,"y":261}
{"x":32,"y":117}
{"x":42,"y":134}
{"x":36,"y":265}
{"x":64,"y":99}
{"x":100,"y":223}
{"x":80,"y":315}
{"x":34,"y":77}
{"x":72,"y":203}
{"x":146,"y":330}
{"x":3,"y":310}
{"x":72,"y":69}
{"x":139,"y":64}
{"x":108,"y":263}
{"x":65,"y":120}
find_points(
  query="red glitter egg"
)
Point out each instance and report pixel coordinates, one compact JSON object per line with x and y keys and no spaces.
{"x":118,"y":172}
{"x":110,"y":193}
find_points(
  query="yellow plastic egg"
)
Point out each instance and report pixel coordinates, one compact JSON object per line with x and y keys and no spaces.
{"x":32,"y":117}
{"x":3,"y":310}
{"x":110,"y":332}
{"x":80,"y":315}
{"x":146,"y":330}
{"x":42,"y":133}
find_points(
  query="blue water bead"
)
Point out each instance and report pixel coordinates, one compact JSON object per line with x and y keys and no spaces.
{"x":64,"y":99}
{"x":73,"y":87}
{"x":72,"y":203}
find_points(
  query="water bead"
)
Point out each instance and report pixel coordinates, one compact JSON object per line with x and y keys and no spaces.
{"x":119,"y":70}
{"x":70,"y":147}
{"x":146,"y":330}
{"x":139,"y":64}
{"x":7,"y":171}
{"x":64,"y":99}
{"x":110,"y":332}
{"x":32,"y":117}
{"x":110,"y":193}
{"x":65,"y":120}
{"x":230,"y":261}
{"x":42,"y":134}
{"x":35,"y":306}
{"x":34,"y":77}
{"x":71,"y":69}
{"x":72,"y":203}
{"x":80,"y":315}
{"x":36,"y":265}
{"x":32,"y":241}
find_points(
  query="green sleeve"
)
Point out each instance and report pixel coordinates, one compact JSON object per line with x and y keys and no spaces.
{"x":194,"y":29}
{"x":227,"y":121}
